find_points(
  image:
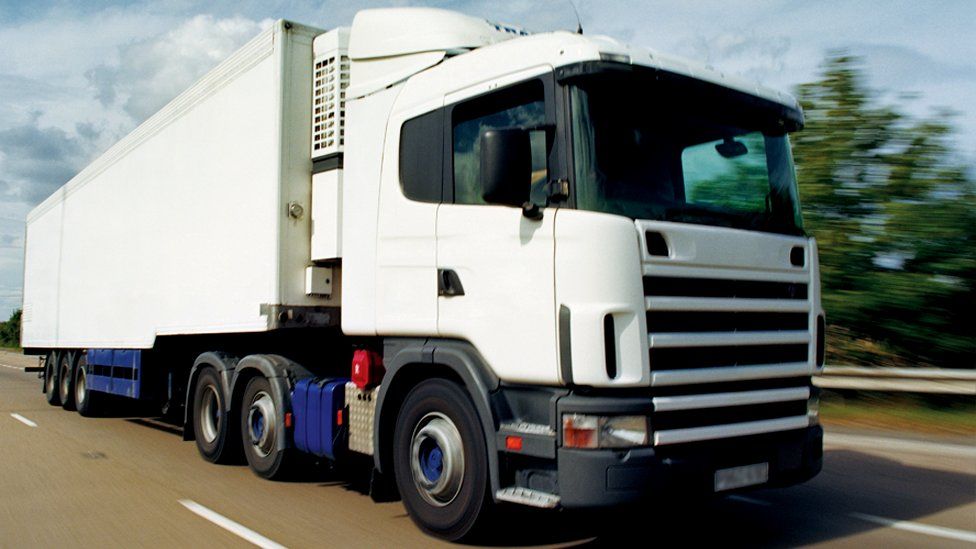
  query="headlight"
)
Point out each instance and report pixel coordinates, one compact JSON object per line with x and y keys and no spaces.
{"x":586,"y":431}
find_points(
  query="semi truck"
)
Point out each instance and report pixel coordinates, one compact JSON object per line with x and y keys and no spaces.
{"x":499,"y":267}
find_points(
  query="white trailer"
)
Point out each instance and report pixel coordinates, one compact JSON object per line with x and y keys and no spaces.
{"x":184,"y":226}
{"x":541,"y":269}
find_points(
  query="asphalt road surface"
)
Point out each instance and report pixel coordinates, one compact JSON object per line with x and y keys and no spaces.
{"x":70,"y":481}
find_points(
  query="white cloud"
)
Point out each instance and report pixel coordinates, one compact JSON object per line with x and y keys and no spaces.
{"x":150,"y":72}
{"x":36,"y":160}
{"x":745,"y":53}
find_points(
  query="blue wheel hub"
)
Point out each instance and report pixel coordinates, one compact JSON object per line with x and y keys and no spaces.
{"x":431,"y":460}
{"x":257,"y":425}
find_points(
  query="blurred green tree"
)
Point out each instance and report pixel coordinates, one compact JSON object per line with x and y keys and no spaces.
{"x":895,"y":216}
{"x":10,"y":331}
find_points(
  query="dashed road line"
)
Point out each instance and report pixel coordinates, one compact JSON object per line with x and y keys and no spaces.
{"x":231,"y":526}
{"x":23,"y":420}
{"x":753,"y":501}
{"x":918,"y":528}
{"x":18,"y":368}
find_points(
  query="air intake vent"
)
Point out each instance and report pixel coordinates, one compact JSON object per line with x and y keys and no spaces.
{"x":656,"y":245}
{"x":329,"y":102}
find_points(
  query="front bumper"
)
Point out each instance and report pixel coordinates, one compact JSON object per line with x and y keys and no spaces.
{"x":602,"y":478}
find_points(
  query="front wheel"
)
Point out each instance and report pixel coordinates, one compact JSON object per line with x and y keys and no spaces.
{"x":441,"y":461}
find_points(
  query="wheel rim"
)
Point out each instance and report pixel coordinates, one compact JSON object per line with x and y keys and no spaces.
{"x":80,"y":388}
{"x":65,"y":379}
{"x":262,"y":421}
{"x":437,"y":459}
{"x":210,"y":414}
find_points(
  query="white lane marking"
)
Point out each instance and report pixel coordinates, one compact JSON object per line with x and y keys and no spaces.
{"x":753,"y":501}
{"x":230,"y":526}
{"x":23,"y":420}
{"x":18,"y":368}
{"x":902,"y":445}
{"x":950,"y":533}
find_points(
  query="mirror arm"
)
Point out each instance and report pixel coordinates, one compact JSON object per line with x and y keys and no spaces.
{"x":557,"y":190}
{"x":532,"y":211}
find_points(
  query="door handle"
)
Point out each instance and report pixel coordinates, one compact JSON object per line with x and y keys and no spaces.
{"x":448,"y":283}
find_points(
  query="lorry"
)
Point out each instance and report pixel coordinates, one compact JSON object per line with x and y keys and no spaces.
{"x":550,"y":270}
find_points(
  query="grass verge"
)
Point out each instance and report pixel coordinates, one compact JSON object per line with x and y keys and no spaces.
{"x":936,"y":414}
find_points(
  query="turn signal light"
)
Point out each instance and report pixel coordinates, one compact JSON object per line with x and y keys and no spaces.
{"x":580,"y":431}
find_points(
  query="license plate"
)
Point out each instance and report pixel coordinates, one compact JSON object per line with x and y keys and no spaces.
{"x":737,"y":477}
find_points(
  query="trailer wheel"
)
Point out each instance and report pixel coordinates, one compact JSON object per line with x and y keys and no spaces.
{"x":51,"y":379}
{"x":262,"y":426}
{"x":88,"y":403}
{"x":66,"y":379}
{"x":440,"y":460}
{"x":216,"y":441}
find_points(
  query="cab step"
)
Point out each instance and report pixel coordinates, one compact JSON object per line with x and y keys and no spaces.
{"x":526,"y":496}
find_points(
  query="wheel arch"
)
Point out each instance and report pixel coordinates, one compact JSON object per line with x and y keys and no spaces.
{"x":408,"y":362}
{"x":281,"y":373}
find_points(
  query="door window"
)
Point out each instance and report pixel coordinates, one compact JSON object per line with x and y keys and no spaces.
{"x":519,"y":106}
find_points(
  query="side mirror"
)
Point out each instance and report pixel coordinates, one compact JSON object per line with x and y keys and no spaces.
{"x":506,"y":166}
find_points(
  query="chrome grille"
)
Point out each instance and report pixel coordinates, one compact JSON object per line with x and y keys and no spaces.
{"x":729,"y":346}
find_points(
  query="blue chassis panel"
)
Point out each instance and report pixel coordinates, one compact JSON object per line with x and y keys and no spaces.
{"x":115,"y":371}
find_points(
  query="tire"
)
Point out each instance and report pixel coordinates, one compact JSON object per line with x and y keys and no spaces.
{"x":66,"y":379}
{"x":441,"y":461}
{"x":88,"y":403}
{"x":51,"y":379}
{"x":262,"y":425}
{"x":216,"y":440}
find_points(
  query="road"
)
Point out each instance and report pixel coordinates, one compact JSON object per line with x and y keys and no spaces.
{"x":71,"y":481}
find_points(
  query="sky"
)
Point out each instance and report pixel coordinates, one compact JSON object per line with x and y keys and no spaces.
{"x":78,"y":75}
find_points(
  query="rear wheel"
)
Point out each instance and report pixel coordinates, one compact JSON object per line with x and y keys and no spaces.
{"x":66,"y":379}
{"x":216,"y":440}
{"x":51,"y":379}
{"x":262,"y":427}
{"x":441,"y":461}
{"x":89,"y":403}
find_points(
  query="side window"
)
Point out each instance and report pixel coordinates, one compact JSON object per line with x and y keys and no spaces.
{"x":422,"y":157}
{"x":521,"y":105}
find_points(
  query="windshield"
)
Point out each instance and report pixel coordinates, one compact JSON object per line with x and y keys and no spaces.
{"x":682,"y":151}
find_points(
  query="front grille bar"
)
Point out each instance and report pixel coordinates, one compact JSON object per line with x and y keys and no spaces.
{"x":694,"y":434}
{"x":689,"y":376}
{"x":721,"y":304}
{"x":738,"y":398}
{"x":718,"y":339}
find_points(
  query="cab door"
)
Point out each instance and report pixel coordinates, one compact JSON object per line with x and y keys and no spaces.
{"x":496,"y":265}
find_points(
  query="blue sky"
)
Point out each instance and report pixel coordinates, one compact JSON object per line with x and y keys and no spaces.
{"x":75,"y":76}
